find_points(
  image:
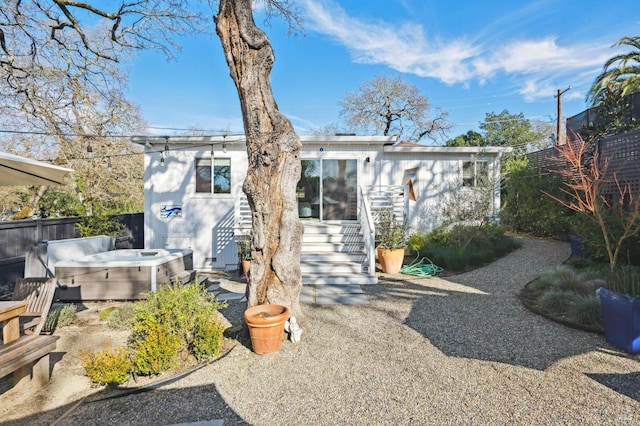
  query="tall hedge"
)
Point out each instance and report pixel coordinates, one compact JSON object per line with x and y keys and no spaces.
{"x":527,"y":209}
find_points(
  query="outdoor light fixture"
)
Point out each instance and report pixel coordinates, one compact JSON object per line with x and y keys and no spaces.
{"x":224,"y":147}
{"x":165,"y":150}
{"x":89,"y":150}
{"x":211,"y":150}
{"x":367,"y":160}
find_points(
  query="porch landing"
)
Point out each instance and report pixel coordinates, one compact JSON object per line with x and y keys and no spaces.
{"x":226,"y":289}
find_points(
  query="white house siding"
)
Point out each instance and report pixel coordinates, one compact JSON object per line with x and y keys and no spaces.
{"x":437,"y":169}
{"x":207,"y":221}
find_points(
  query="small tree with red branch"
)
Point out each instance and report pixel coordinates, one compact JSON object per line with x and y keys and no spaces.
{"x":599,"y":196}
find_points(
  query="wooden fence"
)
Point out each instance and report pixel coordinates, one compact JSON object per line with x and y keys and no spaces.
{"x":18,"y":235}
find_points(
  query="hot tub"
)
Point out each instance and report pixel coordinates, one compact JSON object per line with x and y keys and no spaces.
{"x":120,"y":274}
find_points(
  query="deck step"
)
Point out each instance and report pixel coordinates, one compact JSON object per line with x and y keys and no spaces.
{"x":358,"y":278}
{"x":334,"y":254}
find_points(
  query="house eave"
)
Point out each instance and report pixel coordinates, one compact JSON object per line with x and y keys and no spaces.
{"x":450,"y":150}
{"x":241,"y":139}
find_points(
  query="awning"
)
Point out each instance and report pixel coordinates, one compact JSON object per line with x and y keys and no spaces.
{"x":21,"y":171}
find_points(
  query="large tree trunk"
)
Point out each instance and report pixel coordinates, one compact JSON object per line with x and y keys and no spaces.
{"x":273,"y":150}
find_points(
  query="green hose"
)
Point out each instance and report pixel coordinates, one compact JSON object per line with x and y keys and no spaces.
{"x":421,"y":268}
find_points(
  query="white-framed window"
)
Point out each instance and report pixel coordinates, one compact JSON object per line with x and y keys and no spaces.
{"x":213,"y":175}
{"x":474,"y":173}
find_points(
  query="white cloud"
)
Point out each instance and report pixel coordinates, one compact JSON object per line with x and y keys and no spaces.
{"x":535,"y":66}
{"x":539,"y":56}
{"x":403,"y":48}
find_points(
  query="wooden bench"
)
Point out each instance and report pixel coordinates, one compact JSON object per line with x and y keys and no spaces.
{"x":28,"y":359}
{"x":38,"y":292}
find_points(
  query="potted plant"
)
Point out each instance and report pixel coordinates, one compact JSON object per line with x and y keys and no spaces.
{"x":391,"y":239}
{"x":244,"y":254}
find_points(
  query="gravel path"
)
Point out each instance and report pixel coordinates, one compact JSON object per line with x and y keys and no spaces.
{"x":460,"y":350}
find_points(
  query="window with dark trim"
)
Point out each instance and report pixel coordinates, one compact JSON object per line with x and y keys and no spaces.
{"x":213,"y":175}
{"x":474,"y":173}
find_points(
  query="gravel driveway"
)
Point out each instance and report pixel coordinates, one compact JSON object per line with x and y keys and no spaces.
{"x":454,"y":350}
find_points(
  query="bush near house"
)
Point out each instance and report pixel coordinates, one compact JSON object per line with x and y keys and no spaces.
{"x":461,"y":247}
{"x":175,"y":326}
{"x":528,"y":209}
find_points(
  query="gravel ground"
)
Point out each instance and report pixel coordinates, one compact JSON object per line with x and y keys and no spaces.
{"x":454,"y":350}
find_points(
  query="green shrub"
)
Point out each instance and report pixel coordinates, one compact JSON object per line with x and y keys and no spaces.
{"x":417,"y":240}
{"x":118,"y":317}
{"x":577,"y":284}
{"x":527,"y":209}
{"x":459,"y":247}
{"x":541,"y":285}
{"x":60,"y":316}
{"x":176,"y":323}
{"x":66,"y":315}
{"x":452,"y":259}
{"x":559,"y":274}
{"x":172,"y":321}
{"x":109,"y":367}
{"x":586,"y":311}
{"x":556,"y":302}
{"x":99,"y":224}
{"x":481,"y":256}
{"x":207,"y":338}
{"x":154,"y":350}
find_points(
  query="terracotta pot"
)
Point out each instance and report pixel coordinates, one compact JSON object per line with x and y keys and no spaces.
{"x":246,"y":265}
{"x":266,"y":327}
{"x":390,"y":260}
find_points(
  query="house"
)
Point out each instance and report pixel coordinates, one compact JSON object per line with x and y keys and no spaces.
{"x":194,"y":199}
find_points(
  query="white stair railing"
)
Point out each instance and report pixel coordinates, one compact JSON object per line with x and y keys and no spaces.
{"x":242,"y":215}
{"x":382,"y":198}
{"x":368,"y":229}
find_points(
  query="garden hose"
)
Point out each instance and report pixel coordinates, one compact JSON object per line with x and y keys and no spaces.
{"x":421,"y":268}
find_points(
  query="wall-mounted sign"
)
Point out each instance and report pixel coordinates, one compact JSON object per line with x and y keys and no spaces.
{"x":167,"y":212}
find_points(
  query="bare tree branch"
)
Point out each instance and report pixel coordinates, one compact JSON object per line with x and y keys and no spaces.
{"x":390,"y":106}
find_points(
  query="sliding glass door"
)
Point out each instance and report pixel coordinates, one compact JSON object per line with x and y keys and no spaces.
{"x":328,"y":190}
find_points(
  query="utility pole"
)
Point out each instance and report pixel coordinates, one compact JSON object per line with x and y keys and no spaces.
{"x":559,"y":138}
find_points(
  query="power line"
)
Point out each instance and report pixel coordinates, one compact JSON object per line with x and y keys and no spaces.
{"x":98,"y":136}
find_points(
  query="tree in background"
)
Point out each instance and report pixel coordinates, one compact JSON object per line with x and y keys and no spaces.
{"x":391,"y":106}
{"x":471,"y":138}
{"x":620,"y":75}
{"x":613,"y":116}
{"x":505,"y":129}
{"x":63,"y":89}
{"x":67,"y":119}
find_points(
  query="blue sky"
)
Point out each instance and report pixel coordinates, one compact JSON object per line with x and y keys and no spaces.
{"x":468,"y":58}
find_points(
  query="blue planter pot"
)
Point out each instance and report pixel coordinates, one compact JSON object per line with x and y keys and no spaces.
{"x":577,"y":248}
{"x":621,"y":320}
